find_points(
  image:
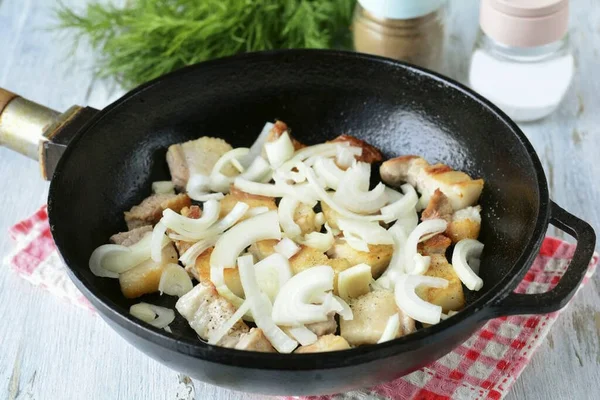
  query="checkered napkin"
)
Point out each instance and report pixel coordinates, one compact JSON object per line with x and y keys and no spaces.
{"x":484,"y":367}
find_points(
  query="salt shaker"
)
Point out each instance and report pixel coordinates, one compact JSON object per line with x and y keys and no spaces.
{"x":406,"y":30}
{"x":522,"y":61}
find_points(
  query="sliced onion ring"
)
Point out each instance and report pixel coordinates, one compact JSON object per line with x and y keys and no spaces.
{"x":142,"y":311}
{"x":392,"y":327}
{"x":235,"y":240}
{"x":280,"y":150}
{"x":464,"y":250}
{"x":287,"y":248}
{"x":303,"y":335}
{"x":422,"y":232}
{"x":412,"y":305}
{"x":174,"y":281}
{"x":260,"y":307}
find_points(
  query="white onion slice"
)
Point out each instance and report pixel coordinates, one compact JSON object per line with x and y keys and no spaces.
{"x":233,"y":242}
{"x":392,"y":327}
{"x":190,"y":226}
{"x":369,"y":232}
{"x":425,"y":230}
{"x":357,"y":243}
{"x":317,"y":240}
{"x":412,"y":305}
{"x":238,"y":211}
{"x":402,"y":206}
{"x":280,"y":150}
{"x":258,"y":145}
{"x":168,"y":329}
{"x":111,"y":258}
{"x":174,"y":281}
{"x":257,"y":170}
{"x":288,"y":176}
{"x":220,"y":182}
{"x":328,"y":171}
{"x":272,"y":273}
{"x":319,"y":220}
{"x":188,"y":258}
{"x":287,"y":208}
{"x":164,"y":316}
{"x":393,"y":195}
{"x":254,"y":211}
{"x":100,"y":254}
{"x":293,"y":303}
{"x":260,"y":189}
{"x":158,"y":235}
{"x":142,"y":311}
{"x":474,"y":263}
{"x":396,"y":266}
{"x":408,"y":221}
{"x":361,"y":202}
{"x":303,"y":335}
{"x":467,"y":249}
{"x":198,"y":187}
{"x":340,"y":306}
{"x":218,"y":334}
{"x":323,"y":150}
{"x":345,"y":156}
{"x":237,"y":165}
{"x":163,"y":187}
{"x":420,"y":264}
{"x":327,"y":199}
{"x":287,"y":248}
{"x":217,"y":277}
{"x":260,"y":307}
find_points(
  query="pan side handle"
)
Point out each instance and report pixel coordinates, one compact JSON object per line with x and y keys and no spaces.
{"x":38,"y":132}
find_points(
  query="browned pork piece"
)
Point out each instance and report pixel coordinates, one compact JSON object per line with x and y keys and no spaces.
{"x":370,"y":154}
{"x":144,"y":278}
{"x":150,"y":210}
{"x":131,"y":237}
{"x":194,"y":157}
{"x":462,"y":224}
{"x":207,"y":311}
{"x":236,"y":195}
{"x":461,"y":190}
{"x":201,"y":272}
{"x":451,"y":297}
{"x":371,"y":313}
{"x":325,"y":343}
{"x":325,"y":327}
{"x":255,"y":340}
{"x":378,"y":257}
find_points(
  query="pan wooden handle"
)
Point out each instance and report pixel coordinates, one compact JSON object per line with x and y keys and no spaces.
{"x":23,"y":124}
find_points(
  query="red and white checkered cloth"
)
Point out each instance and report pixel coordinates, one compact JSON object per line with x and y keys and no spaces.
{"x":484,"y":367}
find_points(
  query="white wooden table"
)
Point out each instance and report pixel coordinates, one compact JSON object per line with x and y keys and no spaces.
{"x":52,"y":350}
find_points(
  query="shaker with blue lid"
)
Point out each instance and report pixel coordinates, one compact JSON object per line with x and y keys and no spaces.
{"x":406,"y":30}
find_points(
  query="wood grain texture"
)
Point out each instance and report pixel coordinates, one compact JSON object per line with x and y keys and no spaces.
{"x":51,"y":350}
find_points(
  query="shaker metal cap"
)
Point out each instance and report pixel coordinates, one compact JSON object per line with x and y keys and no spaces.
{"x":524,"y":23}
{"x":400,"y":9}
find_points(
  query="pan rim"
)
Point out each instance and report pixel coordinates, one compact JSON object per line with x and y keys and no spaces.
{"x":475,"y":313}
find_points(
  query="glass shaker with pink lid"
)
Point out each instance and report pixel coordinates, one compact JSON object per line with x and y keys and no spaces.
{"x":522,"y":61}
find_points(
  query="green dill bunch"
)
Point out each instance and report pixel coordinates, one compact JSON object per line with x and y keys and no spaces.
{"x":149,"y":38}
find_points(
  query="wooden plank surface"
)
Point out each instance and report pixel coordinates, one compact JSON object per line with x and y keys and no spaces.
{"x":51,"y":350}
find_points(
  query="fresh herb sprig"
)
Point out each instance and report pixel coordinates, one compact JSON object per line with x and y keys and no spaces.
{"x":148,"y":38}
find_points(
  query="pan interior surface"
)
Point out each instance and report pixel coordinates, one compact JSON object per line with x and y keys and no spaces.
{"x":401,"y":110}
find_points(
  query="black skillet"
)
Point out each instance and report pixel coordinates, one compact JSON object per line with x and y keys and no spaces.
{"x":114,"y":155}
